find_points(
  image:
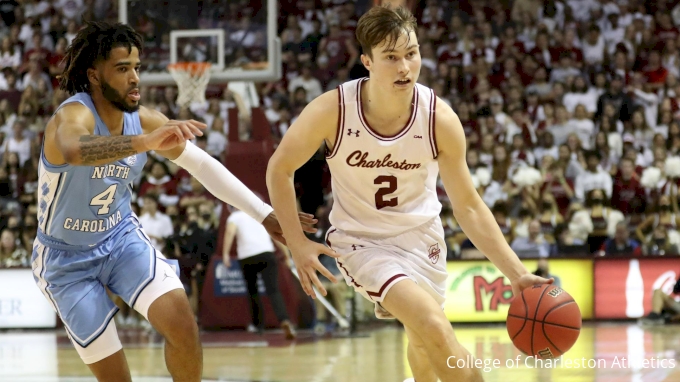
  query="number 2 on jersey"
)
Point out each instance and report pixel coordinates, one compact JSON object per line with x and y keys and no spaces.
{"x":104,"y":199}
{"x":380,"y":201}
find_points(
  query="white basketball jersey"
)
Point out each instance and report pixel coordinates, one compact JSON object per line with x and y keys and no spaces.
{"x":382,"y":185}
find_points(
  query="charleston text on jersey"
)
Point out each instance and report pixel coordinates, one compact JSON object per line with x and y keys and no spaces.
{"x":360,"y":159}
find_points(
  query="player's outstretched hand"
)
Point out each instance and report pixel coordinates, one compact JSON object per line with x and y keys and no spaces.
{"x":271,"y":224}
{"x":526,"y":281}
{"x":172,"y":134}
{"x":306,"y":258}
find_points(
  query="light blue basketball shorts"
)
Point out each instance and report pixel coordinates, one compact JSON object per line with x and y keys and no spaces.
{"x":73,"y":279}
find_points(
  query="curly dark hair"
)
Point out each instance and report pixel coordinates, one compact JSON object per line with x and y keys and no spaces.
{"x":93,"y":44}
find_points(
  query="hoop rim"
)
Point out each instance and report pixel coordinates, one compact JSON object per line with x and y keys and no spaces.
{"x":194,"y":67}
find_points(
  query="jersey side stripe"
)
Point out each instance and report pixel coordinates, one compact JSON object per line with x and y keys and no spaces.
{"x":53,"y":203}
{"x":341,"y":122}
{"x":432,"y":133}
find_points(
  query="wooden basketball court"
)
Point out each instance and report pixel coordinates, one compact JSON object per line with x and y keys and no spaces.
{"x":378,"y":355}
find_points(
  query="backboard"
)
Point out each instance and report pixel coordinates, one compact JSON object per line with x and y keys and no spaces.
{"x":238,"y":37}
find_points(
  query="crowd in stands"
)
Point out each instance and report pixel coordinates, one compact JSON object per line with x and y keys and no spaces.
{"x":583,"y":93}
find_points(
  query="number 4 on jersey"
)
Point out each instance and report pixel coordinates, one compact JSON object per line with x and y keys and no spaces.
{"x":380,"y":201}
{"x":104,"y":199}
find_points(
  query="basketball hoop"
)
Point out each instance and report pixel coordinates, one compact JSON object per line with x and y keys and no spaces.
{"x":192,"y":79}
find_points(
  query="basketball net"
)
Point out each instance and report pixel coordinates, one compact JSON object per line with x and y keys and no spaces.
{"x":192,"y":79}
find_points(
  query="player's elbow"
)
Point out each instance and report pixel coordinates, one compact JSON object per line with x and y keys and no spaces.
{"x":71,"y":156}
{"x":68,"y":148}
{"x":468,"y":207}
{"x":278,"y":171}
{"x":275,"y":170}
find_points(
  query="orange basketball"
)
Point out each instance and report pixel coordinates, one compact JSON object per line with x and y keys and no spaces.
{"x":544,"y":321}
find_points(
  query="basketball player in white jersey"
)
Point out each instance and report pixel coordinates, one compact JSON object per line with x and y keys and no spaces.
{"x":388,"y":138}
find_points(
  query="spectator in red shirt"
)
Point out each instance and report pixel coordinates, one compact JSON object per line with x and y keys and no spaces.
{"x":449,"y":53}
{"x":561,"y":187}
{"x":509,"y":45}
{"x":628,"y":195}
{"x":38,"y":52}
{"x":339,"y":47}
{"x":509,"y":68}
{"x":56,"y":61}
{"x":479,"y":49}
{"x":161,"y":184}
{"x":197,"y":196}
{"x":542,"y":51}
{"x":434,"y":27}
{"x":470,"y":126}
{"x":480,"y":73}
{"x":665,"y":28}
{"x":654,"y":72}
{"x":568,"y":48}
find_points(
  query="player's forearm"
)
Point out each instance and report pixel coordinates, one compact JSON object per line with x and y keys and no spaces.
{"x":92,"y":150}
{"x":481,"y":228}
{"x":221,"y":182}
{"x":282,"y":194}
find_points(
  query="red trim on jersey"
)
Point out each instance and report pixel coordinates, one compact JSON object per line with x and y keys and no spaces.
{"x":328,"y":243}
{"x":388,"y":282}
{"x":433,"y":134}
{"x":341,"y":123}
{"x":376,"y":134}
{"x":348,"y":275}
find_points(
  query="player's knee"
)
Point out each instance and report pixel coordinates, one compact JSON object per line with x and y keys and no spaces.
{"x":184,"y":333}
{"x":437,"y":332}
{"x":178,"y":327}
{"x":417,"y":345}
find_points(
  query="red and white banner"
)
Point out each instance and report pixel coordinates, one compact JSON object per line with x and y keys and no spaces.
{"x":624,"y":287}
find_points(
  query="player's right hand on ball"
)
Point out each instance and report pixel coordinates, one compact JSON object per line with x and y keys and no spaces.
{"x":306,"y":258}
{"x":172,"y":134}
{"x":526,"y":281}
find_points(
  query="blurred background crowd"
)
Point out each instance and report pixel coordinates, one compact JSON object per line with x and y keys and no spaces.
{"x":571,"y":111}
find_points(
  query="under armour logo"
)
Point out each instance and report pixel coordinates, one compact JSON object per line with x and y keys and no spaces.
{"x":354,"y":247}
{"x":350,"y":132}
{"x":418,"y":136}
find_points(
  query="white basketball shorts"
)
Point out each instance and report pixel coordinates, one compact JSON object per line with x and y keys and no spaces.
{"x":372,"y":265}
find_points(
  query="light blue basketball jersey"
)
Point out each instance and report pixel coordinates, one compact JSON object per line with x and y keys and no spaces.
{"x":83,"y":205}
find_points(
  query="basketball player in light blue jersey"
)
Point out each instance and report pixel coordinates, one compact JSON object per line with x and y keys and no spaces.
{"x":88,"y":238}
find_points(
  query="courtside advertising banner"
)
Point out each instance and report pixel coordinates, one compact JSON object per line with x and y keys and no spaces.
{"x":477,"y":291}
{"x":229,"y":282}
{"x":22,"y":305}
{"x":624,"y":287}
